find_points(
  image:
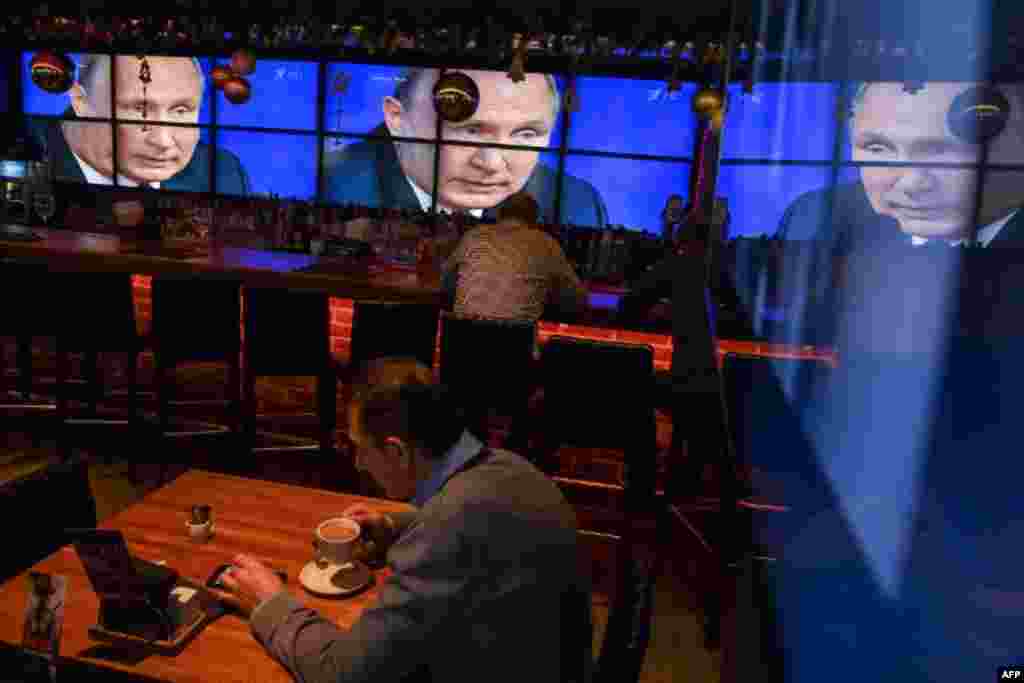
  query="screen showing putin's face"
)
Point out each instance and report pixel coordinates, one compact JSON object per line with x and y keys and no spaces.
{"x":471,"y":176}
{"x":912,"y":129}
{"x":145,"y":152}
{"x":891,"y":124}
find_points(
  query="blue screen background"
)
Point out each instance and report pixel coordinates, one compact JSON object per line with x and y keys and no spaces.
{"x":619,"y":182}
{"x":275,"y":162}
{"x":633,"y":117}
{"x":283,"y":96}
{"x":781,"y":121}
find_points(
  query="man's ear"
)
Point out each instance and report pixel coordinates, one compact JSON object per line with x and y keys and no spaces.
{"x":79,"y":101}
{"x":393,"y":112}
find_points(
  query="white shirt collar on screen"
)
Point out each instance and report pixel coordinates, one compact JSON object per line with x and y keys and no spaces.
{"x":985,"y":234}
{"x":94,"y":177}
{"x":425,"y":200}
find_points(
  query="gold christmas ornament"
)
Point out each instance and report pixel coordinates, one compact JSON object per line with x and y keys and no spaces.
{"x":52,"y":71}
{"x":456,"y":97}
{"x":708,"y":101}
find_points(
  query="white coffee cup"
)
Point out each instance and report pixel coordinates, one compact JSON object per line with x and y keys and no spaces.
{"x":200,"y":532}
{"x":335,"y":539}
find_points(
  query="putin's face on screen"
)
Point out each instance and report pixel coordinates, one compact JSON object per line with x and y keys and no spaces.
{"x":890,"y":124}
{"x":476,"y":177}
{"x":145,"y":153}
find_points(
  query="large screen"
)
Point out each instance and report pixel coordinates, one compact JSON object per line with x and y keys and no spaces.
{"x":839,"y":162}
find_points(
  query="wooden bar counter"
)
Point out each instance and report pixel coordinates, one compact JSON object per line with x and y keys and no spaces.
{"x":66,"y":250}
{"x":70,"y":250}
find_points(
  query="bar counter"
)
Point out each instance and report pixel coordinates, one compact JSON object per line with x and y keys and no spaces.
{"x":69,"y":250}
{"x":87,"y":251}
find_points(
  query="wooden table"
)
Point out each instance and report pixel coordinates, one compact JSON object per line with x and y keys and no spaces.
{"x":273,"y":522}
{"x":85,"y":251}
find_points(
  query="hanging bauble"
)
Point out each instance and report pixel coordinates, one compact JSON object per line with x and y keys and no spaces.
{"x":707,"y":101}
{"x":52,"y":71}
{"x":716,"y":120}
{"x":237,"y":90}
{"x":220,"y":75}
{"x":243,"y":62}
{"x":456,"y":97}
{"x":978,"y":114}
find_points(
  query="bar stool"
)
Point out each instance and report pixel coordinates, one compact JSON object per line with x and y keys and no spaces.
{"x":382,"y":329}
{"x":28,"y":314}
{"x":182,"y":307}
{"x":577,"y":376}
{"x":97,"y":315}
{"x":489,"y":365}
{"x":287,"y":333}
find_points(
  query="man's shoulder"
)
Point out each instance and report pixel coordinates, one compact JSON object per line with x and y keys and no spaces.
{"x":503,"y":487}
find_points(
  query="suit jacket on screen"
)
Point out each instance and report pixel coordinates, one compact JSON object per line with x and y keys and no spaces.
{"x":195,"y":177}
{"x":854,"y":222}
{"x":368,"y":173}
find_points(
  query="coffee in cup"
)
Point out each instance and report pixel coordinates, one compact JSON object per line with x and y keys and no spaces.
{"x":335,"y":539}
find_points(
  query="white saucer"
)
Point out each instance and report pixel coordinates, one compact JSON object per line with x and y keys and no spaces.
{"x":318,"y":581}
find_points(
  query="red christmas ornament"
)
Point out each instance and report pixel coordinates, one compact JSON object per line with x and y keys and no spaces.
{"x":220,"y":75}
{"x":243,"y":62}
{"x":237,"y":90}
{"x":52,"y":71}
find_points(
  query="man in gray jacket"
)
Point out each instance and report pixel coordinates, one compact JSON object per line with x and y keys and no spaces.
{"x":486,"y":581}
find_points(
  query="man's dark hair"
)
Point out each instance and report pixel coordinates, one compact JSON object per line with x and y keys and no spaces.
{"x":520,"y":206}
{"x":398,"y":397}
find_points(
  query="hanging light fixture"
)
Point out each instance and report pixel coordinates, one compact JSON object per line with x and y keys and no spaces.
{"x":145,"y":77}
{"x":675,"y":83}
{"x":517,"y":71}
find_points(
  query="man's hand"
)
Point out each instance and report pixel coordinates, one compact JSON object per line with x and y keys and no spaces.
{"x":365,"y":516}
{"x":249,"y":584}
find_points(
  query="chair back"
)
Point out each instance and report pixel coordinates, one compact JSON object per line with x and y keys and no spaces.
{"x":27,"y":306}
{"x":286,"y":332}
{"x":382,"y":329}
{"x":639,"y":563}
{"x":488,"y":363}
{"x":601,"y":394}
{"x":97,"y":312}
{"x":768,"y":400}
{"x":196,"y":319}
